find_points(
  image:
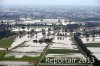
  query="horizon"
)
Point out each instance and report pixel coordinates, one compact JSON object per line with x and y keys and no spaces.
{"x":45,"y":3}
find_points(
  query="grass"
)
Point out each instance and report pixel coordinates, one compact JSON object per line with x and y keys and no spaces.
{"x":93,"y":44}
{"x":2,"y":54}
{"x":61,"y":51}
{"x":41,"y":26}
{"x":63,"y":65}
{"x":24,"y":58}
{"x":6,"y":42}
{"x":12,"y":58}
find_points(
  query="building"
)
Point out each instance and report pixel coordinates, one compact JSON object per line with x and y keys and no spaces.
{"x":2,"y":26}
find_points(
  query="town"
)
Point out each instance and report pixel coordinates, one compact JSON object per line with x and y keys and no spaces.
{"x":50,"y":36}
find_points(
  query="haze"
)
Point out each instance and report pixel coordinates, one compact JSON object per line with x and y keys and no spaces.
{"x":50,"y":2}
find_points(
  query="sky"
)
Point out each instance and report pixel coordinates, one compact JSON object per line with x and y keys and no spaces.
{"x":50,"y":2}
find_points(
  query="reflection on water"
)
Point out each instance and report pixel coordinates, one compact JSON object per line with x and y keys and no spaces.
{"x":60,"y":38}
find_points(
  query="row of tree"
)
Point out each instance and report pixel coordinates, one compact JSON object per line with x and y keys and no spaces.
{"x":87,"y":52}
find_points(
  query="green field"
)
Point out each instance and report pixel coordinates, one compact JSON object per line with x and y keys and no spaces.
{"x":6,"y":42}
{"x":93,"y":44}
{"x":63,"y":65}
{"x":61,"y":51}
{"x":12,"y":58}
{"x":41,"y":26}
{"x":25,"y":58}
